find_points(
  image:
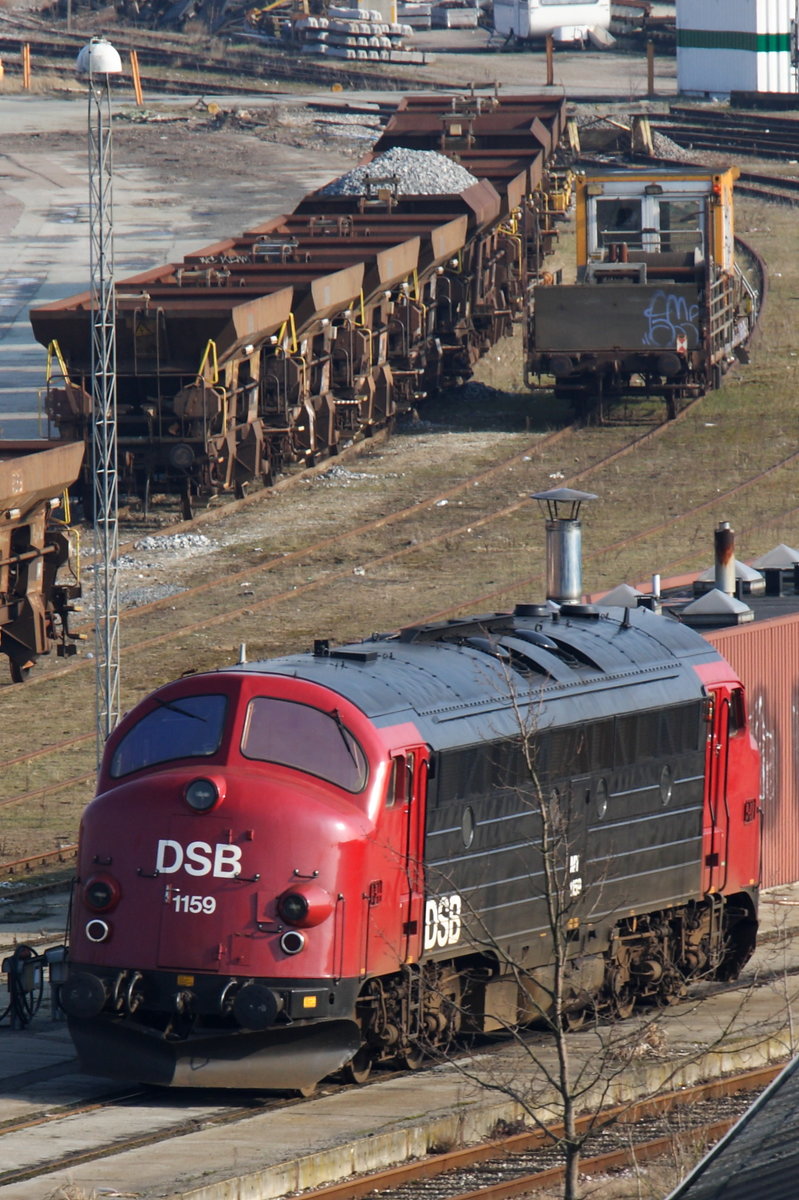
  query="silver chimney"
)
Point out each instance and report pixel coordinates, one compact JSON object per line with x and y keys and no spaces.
{"x":564,"y":543}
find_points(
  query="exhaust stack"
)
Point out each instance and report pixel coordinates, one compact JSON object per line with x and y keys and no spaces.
{"x":564,"y":542}
{"x":724,"y":543}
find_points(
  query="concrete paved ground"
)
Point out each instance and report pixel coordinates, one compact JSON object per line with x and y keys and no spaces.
{"x":330,"y":1137}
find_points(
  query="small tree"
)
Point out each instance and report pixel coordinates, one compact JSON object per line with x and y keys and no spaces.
{"x":561,"y":1085}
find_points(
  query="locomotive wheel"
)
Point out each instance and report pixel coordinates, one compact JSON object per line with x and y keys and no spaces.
{"x":413,"y":1058}
{"x":574,"y":1019}
{"x":672,"y":992}
{"x":359,"y":1068}
{"x":624,"y":1003}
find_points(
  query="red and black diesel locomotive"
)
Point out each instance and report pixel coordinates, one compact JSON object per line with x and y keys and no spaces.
{"x":335,"y":858}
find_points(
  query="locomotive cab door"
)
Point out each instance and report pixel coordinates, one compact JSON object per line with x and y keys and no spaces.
{"x":395,"y":900}
{"x":732,"y":796}
{"x":716,"y":812}
{"x":731,"y":801}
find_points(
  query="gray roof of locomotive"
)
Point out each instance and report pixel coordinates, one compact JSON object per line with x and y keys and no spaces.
{"x":463,"y":680}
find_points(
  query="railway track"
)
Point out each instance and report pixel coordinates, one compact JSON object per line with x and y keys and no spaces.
{"x":147,"y":1120}
{"x":736,"y":133}
{"x":775,"y":189}
{"x":523,"y":1163}
{"x":115,"y":1120}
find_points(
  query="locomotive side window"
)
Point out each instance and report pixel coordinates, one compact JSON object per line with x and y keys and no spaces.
{"x":737,"y":713}
{"x":296,"y":735}
{"x":400,"y":781}
{"x":669,"y":731}
{"x":190,"y":727}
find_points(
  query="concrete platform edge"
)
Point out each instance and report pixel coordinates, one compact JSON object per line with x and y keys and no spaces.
{"x":474,"y":1123}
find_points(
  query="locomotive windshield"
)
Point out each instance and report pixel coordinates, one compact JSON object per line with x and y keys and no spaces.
{"x":190,"y":727}
{"x":296,"y":735}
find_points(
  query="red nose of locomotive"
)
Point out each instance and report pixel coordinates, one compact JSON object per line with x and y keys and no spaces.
{"x":247,"y":881}
{"x":217,"y":865}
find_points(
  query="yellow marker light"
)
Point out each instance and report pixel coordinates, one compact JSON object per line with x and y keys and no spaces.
{"x":309,"y":1002}
{"x":185,"y":980}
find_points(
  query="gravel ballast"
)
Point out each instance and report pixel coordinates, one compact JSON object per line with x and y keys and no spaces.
{"x":408,"y":172}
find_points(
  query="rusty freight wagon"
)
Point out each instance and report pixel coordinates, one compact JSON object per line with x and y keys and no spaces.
{"x":660,"y":306}
{"x":314,"y":328}
{"x":38,"y":576}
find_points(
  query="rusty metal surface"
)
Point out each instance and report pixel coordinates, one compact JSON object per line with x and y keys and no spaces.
{"x":766,"y":656}
{"x":331,"y":292}
{"x":34,"y":471}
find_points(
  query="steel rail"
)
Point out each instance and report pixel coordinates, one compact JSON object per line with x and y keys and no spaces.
{"x":65,"y":1161}
{"x":539,"y":1139}
{"x":63,"y":854}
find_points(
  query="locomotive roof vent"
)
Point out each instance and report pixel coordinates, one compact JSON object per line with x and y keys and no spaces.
{"x":564,"y":542}
{"x":580,"y":610}
{"x":533,"y":610}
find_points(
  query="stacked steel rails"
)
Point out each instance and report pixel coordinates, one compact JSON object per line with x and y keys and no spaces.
{"x":39,"y":579}
{"x":316,"y":328}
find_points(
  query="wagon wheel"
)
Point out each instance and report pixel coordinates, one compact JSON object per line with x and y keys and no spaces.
{"x":359,"y":1068}
{"x":19,"y":671}
{"x":186,"y":506}
{"x":672,"y":991}
{"x":144,"y":493}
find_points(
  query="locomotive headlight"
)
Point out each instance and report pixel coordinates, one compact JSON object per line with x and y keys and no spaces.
{"x":101,"y":893}
{"x":97,"y":930}
{"x":202,"y":794}
{"x":293,"y":908}
{"x":305,"y":905}
{"x":292,"y":942}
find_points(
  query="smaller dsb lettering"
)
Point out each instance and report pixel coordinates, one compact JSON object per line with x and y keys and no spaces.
{"x":198,"y":858}
{"x":442,"y":921}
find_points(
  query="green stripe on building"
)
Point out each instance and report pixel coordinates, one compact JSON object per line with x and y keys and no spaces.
{"x":730,"y":39}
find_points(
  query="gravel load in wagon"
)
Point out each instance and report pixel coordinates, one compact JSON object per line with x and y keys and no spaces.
{"x":408,"y":172}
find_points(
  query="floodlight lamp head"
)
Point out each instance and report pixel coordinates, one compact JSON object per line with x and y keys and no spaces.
{"x":99,"y":57}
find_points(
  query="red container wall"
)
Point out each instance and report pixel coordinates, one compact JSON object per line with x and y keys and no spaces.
{"x":766,"y":657}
